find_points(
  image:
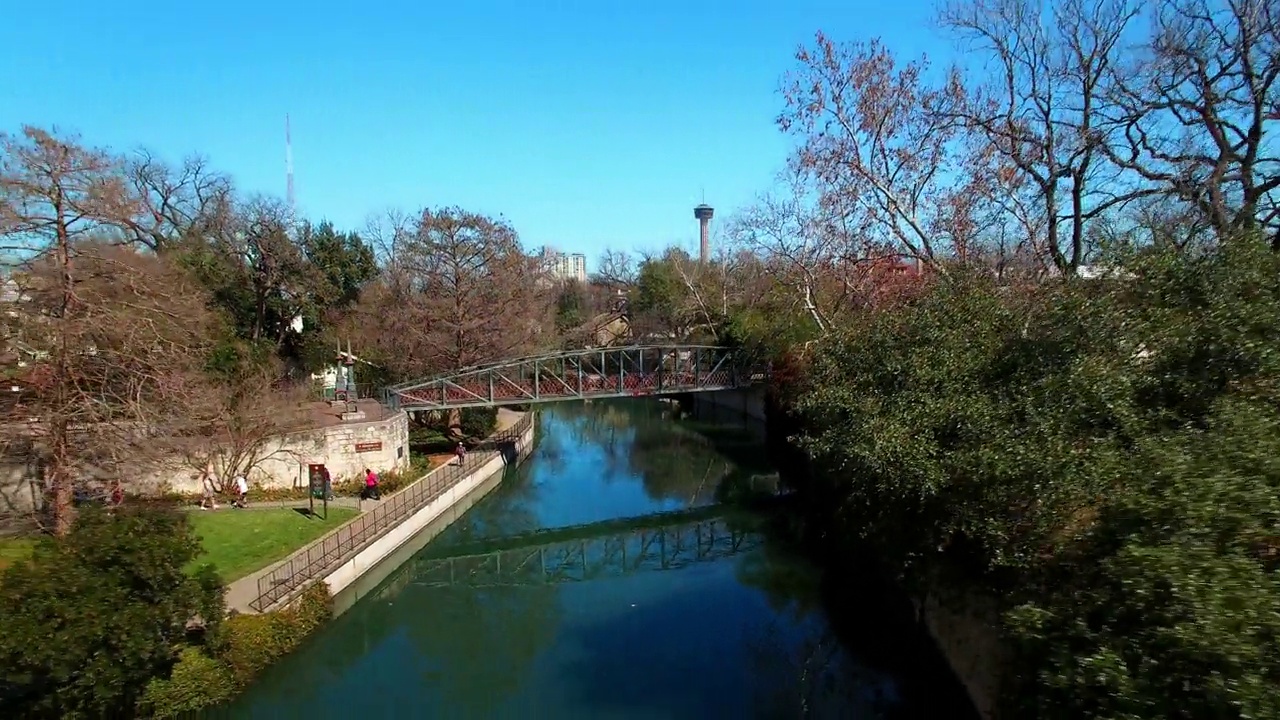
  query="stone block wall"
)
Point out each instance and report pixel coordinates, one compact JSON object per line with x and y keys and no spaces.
{"x":346,"y":449}
{"x":20,"y":484}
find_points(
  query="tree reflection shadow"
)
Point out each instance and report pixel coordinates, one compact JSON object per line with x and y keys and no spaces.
{"x":675,"y":460}
{"x":862,"y":655}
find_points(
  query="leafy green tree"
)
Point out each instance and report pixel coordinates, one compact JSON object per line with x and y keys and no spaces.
{"x":1098,"y":454}
{"x":571,"y":306}
{"x":659,"y":303}
{"x":344,"y":260}
{"x":343,"y":264}
{"x":91,"y":618}
{"x":255,"y":270}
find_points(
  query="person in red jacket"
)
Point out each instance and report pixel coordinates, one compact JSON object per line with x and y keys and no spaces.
{"x":370,"y":486}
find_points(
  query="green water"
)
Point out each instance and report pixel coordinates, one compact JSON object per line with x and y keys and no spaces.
{"x":602,"y":579}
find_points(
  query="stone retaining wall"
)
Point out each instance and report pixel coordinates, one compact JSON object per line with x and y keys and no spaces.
{"x":348,"y":448}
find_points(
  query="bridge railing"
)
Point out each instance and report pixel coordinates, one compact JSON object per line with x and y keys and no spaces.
{"x":325,"y":555}
{"x":636,"y":370}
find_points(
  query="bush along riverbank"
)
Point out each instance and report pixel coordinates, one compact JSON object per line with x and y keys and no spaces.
{"x":217,"y":670}
{"x":1102,"y":457}
{"x":109,"y":622}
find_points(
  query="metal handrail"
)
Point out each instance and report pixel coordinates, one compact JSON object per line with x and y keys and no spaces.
{"x":326,"y":554}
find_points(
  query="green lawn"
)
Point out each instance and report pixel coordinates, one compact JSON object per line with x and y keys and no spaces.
{"x":14,"y":549}
{"x":239,"y":542}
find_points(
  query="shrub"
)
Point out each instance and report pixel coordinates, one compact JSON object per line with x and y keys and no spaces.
{"x":1176,"y":611}
{"x":248,"y":644}
{"x":90,"y":618}
{"x":479,"y":422}
{"x":1102,"y":455}
{"x":427,"y":440}
{"x":196,"y":682}
{"x":244,"y":646}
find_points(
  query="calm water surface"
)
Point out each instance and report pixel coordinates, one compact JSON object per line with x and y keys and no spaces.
{"x":603,"y":580}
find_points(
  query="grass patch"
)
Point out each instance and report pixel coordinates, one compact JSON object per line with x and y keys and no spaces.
{"x":15,"y":549}
{"x":239,"y":542}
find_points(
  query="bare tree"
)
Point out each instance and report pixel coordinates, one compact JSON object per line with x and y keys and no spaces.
{"x":1040,"y":110}
{"x":887,"y":154}
{"x":482,"y":294}
{"x":175,"y":203}
{"x":1192,"y":114}
{"x":237,"y":420}
{"x":717,"y":288}
{"x":115,"y":340}
{"x":801,"y":246}
{"x":389,"y":232}
{"x":460,"y":292}
{"x":616,"y":270}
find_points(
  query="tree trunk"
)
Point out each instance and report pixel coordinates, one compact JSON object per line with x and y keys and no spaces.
{"x":61,"y":494}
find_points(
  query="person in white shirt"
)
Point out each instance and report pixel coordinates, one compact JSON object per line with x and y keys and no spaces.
{"x":242,"y":490}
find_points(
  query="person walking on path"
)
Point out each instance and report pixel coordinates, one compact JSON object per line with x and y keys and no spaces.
{"x":461,"y":452}
{"x":210,"y":499}
{"x":328,"y":485}
{"x":370,"y":486}
{"x":242,"y":491}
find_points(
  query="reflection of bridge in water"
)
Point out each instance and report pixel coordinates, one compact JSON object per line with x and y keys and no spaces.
{"x":613,"y":548}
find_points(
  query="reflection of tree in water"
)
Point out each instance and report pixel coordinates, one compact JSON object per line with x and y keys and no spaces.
{"x":791,"y":586}
{"x":803,"y":670}
{"x":674,"y":460}
{"x":559,"y":435}
{"x":609,"y":427}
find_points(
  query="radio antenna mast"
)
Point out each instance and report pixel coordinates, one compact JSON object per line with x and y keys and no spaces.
{"x":288,"y":165}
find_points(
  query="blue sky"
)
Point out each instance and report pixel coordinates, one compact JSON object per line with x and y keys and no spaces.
{"x":586,"y":124}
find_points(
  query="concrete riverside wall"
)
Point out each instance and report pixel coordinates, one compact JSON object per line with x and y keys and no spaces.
{"x":394,"y":562}
{"x":748,"y":401}
{"x":352,"y":570}
{"x":964,"y":627}
{"x":283,"y":462}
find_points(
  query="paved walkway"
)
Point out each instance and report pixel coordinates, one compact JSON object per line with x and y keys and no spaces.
{"x":245,"y":590}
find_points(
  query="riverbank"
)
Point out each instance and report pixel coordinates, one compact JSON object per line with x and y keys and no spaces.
{"x":603,"y":578}
{"x":340,"y":557}
{"x":261,"y":632}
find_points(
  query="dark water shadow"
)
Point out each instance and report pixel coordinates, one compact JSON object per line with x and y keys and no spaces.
{"x":868,"y":614}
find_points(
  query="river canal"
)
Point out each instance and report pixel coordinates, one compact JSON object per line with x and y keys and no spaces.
{"x":603,"y":579}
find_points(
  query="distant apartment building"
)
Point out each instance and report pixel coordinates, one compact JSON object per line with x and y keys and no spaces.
{"x":564,"y":267}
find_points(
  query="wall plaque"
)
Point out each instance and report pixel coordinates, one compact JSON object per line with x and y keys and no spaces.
{"x":365,"y":447}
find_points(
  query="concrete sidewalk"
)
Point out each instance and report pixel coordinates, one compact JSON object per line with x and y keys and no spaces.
{"x":245,"y":590}
{"x":340,"y":501}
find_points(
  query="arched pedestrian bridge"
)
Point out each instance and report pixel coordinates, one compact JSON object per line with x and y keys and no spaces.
{"x":663,"y":541}
{"x":632,"y":371}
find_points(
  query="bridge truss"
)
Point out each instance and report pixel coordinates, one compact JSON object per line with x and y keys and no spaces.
{"x":637,"y":370}
{"x":667,"y":547}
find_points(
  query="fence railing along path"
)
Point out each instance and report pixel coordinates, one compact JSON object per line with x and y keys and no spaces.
{"x":325,"y":555}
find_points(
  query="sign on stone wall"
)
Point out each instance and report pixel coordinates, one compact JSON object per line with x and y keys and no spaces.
{"x":364,"y":447}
